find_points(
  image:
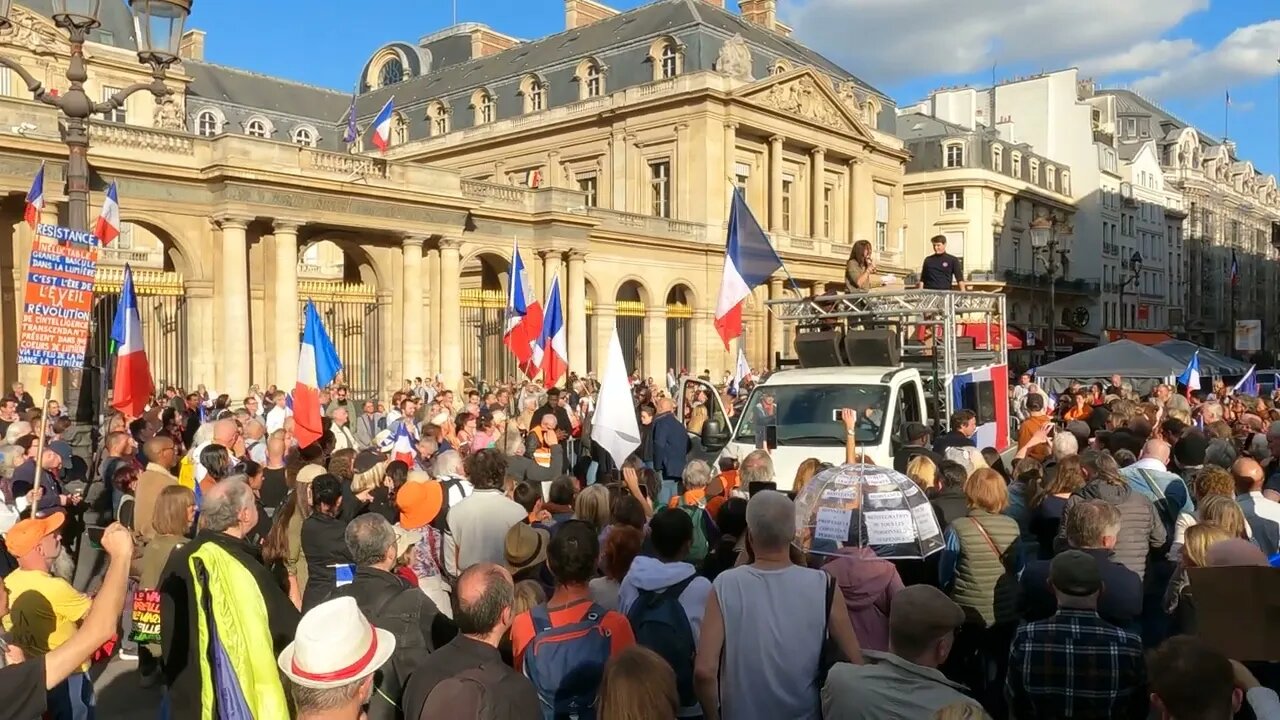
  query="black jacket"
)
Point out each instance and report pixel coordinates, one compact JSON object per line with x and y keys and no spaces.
{"x":324,"y":544}
{"x":512,"y":698}
{"x":1119,"y":604}
{"x":1141,"y":530}
{"x":393,"y":604}
{"x":955,"y":438}
{"x":949,"y":503}
{"x":178,"y":633}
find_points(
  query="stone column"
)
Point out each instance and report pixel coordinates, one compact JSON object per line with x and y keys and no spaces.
{"x":286,"y":324}
{"x":550,"y":268}
{"x":775,"y":326}
{"x":433,"y":310}
{"x":655,"y":342}
{"x":862,"y":214}
{"x":553,"y":178}
{"x":576,"y":312}
{"x":411,"y":327}
{"x":389,"y":380}
{"x":606,"y":318}
{"x":817,"y":183}
{"x":233,"y":278}
{"x":450,"y":319}
{"x":775,"y":184}
{"x":705,"y":341}
{"x":200,"y":357}
{"x":730,"y":162}
{"x":898,"y":224}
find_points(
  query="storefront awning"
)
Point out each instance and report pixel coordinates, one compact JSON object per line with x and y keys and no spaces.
{"x":984,"y":334}
{"x":1143,"y":337}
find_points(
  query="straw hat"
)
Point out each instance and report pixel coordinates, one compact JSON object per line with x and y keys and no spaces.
{"x":334,"y":646}
{"x":525,"y":547}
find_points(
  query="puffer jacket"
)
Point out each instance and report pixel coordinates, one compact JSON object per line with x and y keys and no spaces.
{"x":1141,"y":530}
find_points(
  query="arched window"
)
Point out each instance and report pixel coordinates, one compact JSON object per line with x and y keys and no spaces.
{"x":997,"y":158}
{"x":1066,"y":183}
{"x":391,"y":72}
{"x":669,"y":60}
{"x":534,"y":91}
{"x":779,"y":66}
{"x":483,"y":103}
{"x":303,"y":135}
{"x":590,"y":79}
{"x":257,"y":127}
{"x":208,"y":123}
{"x":438,"y":116}
{"x":399,"y":130}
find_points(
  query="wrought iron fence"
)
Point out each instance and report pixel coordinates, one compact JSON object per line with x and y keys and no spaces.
{"x":631,"y":333}
{"x":351,"y":316}
{"x":162,"y":311}
{"x":483,"y":325}
{"x":679,"y":346}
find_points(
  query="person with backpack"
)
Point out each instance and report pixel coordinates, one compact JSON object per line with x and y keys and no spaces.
{"x":664,"y":599}
{"x":467,"y":679}
{"x":693,"y":502}
{"x":393,"y":604}
{"x":562,"y":645}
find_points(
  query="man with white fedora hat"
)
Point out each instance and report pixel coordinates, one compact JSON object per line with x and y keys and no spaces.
{"x":331,"y":662}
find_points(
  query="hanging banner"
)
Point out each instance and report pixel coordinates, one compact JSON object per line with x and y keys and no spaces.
{"x":1248,"y":335}
{"x":58,"y":301}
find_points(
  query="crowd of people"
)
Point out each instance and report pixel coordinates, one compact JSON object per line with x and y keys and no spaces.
{"x":501,"y":566}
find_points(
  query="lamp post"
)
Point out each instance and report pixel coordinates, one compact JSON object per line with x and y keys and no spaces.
{"x":1047,"y":234}
{"x":1135,"y":267}
{"x":159,"y":24}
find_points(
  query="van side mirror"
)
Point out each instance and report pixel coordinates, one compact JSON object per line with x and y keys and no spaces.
{"x":714,"y":436}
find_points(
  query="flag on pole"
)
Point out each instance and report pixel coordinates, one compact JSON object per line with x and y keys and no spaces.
{"x":133,"y":384}
{"x":35,"y":199}
{"x":107,"y":229}
{"x":749,"y":260}
{"x":613,"y":425}
{"x":353,"y":131}
{"x":318,"y":365}
{"x":524,"y":316}
{"x":382,"y":125}
{"x":555,"y":353}
{"x":741,"y":371}
{"x":1235,"y":270}
{"x":1191,"y":376}
{"x":402,"y":449}
{"x":1247,"y":385}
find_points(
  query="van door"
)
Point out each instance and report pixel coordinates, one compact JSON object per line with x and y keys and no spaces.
{"x":708,"y":424}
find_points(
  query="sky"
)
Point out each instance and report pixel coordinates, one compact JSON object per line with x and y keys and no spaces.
{"x":1187,"y":55}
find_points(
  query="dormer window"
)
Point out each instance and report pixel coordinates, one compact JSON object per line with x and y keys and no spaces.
{"x":953,"y":155}
{"x":669,"y":61}
{"x":1035,"y":171}
{"x":438,"y":116}
{"x":304,"y":135}
{"x":1017,"y":164}
{"x":590,"y":77}
{"x":534,"y":91}
{"x":391,"y":72}
{"x":997,"y":158}
{"x":483,"y":103}
{"x":257,"y":127}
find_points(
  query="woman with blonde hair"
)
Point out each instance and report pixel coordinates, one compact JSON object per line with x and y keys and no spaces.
{"x":592,"y":506}
{"x":1178,"y":601}
{"x":638,"y":685}
{"x":805,"y":473}
{"x":923,"y":471}
{"x":697,"y":419}
{"x":1224,"y":513}
{"x":1209,"y":483}
{"x":175,"y":512}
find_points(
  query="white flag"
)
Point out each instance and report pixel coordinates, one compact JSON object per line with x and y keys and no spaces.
{"x":742,"y":371}
{"x":614,"y":426}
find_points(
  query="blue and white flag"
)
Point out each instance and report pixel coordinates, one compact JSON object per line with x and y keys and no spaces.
{"x":1248,"y":385}
{"x":1191,"y":376}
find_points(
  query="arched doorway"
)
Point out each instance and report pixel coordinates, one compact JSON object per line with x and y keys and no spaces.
{"x":339,"y":277}
{"x":630,"y":302}
{"x":483,"y":305}
{"x":679,"y":323}
{"x":159,"y":286}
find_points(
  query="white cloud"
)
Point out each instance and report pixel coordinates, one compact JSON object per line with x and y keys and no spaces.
{"x":893,"y":40}
{"x":1143,"y":57}
{"x":1246,"y":55}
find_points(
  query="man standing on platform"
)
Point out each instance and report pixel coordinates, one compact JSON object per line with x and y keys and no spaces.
{"x":940,"y":268}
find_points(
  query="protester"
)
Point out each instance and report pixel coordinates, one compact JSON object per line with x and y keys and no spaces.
{"x":776,"y":616}
{"x":638,"y":685}
{"x":478,"y":525}
{"x":621,"y":546}
{"x":904,"y":681}
{"x":1075,"y":664}
{"x":331,"y":663}
{"x":175,"y":512}
{"x":324,"y":541}
{"x":1262,"y":514}
{"x":1141,"y":530}
{"x":1188,"y":679}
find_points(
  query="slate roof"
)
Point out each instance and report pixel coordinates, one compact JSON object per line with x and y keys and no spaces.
{"x":1129,"y":151}
{"x":650,"y":20}
{"x":1131,"y":103}
{"x":916,"y":126}
{"x":221,"y":84}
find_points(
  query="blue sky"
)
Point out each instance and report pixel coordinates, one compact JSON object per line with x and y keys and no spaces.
{"x":1186,"y":54}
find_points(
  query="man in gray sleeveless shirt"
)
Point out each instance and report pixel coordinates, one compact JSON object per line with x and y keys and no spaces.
{"x":769,"y":618}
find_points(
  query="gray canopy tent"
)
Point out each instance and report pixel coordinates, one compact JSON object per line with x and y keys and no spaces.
{"x":1140,"y":366}
{"x":1212,"y":362}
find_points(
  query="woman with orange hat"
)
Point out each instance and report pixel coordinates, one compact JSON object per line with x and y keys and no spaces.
{"x":420,"y":503}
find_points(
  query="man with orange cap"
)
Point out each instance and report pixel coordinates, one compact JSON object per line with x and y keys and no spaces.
{"x":44,"y":610}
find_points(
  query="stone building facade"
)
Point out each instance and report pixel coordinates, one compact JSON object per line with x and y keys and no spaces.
{"x":607,"y":152}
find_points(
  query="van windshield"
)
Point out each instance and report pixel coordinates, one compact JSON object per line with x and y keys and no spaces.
{"x":807,"y":414}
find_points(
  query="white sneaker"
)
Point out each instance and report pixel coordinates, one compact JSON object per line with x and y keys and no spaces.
{"x":128,"y":656}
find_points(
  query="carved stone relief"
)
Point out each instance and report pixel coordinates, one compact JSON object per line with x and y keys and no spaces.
{"x":170,"y":114}
{"x":734,"y":59}
{"x":33,"y":32}
{"x":802,"y":98}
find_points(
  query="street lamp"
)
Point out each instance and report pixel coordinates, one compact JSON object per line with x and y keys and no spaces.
{"x":1045,"y":234}
{"x":159,"y":24}
{"x":1135,"y":267}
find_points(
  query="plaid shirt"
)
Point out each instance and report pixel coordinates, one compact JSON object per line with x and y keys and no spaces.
{"x":1076,"y":665}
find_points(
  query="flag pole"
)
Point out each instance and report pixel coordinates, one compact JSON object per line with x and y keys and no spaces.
{"x":795,"y":287}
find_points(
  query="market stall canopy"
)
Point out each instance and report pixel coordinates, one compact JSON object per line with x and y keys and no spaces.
{"x":1140,"y":366}
{"x":1212,"y":362}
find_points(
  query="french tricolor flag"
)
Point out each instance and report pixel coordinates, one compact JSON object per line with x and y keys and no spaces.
{"x":403,"y":449}
{"x":382,"y":125}
{"x":107,"y":229}
{"x":749,"y":260}
{"x":1191,"y":376}
{"x":133,"y":384}
{"x":555,"y":353}
{"x":992,"y":432}
{"x":35,"y":200}
{"x":318,"y":365}
{"x":524,"y":316}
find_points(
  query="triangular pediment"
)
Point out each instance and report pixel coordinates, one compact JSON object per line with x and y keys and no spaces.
{"x":805,"y":95}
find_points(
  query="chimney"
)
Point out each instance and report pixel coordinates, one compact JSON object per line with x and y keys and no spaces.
{"x":760,"y":12}
{"x":578,"y":13}
{"x":485,"y":41}
{"x":191,"y":47}
{"x":717,"y":3}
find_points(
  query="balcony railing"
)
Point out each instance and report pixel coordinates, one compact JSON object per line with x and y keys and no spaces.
{"x":496,"y":194}
{"x":1031,"y":280}
{"x":1104,"y":137}
{"x":618,"y":220}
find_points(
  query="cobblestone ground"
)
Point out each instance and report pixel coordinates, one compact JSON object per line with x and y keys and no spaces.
{"x":119,"y":695}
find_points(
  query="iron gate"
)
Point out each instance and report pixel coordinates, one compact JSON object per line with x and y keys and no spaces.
{"x":162,"y":310}
{"x":483,"y":325}
{"x":679,"y":349}
{"x":631,"y":333}
{"x":351,"y":316}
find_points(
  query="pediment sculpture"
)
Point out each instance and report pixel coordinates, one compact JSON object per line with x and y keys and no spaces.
{"x":851,"y":99}
{"x":803,"y":98}
{"x":31,"y":31}
{"x":170,"y":114}
{"x":734,"y":59}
